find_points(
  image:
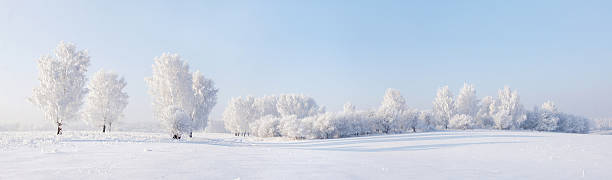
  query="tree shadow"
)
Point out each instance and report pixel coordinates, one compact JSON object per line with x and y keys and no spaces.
{"x":366,"y":143}
{"x":405,"y":148}
{"x":391,"y":138}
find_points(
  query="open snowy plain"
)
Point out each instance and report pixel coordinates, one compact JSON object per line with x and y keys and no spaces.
{"x":480,"y":154}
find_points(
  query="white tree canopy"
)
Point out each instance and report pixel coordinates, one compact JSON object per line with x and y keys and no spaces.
{"x":106,"y":100}
{"x":296,"y":104}
{"x":508,"y":111}
{"x":170,"y":86}
{"x":391,"y":110}
{"x":467,"y":101}
{"x":549,"y":117}
{"x":444,"y":106}
{"x":62,"y":84}
{"x":484,"y":118}
{"x":240,"y":112}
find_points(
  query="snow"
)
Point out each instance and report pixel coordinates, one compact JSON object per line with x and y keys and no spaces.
{"x":477,"y":154}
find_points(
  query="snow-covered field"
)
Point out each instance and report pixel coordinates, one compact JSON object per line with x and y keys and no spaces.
{"x":478,"y":154}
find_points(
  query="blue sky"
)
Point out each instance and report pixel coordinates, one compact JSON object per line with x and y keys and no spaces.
{"x":334,"y":51}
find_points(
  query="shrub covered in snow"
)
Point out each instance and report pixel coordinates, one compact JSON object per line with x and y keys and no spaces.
{"x":177,"y":122}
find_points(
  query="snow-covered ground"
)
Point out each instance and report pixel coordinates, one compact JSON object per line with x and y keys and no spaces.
{"x":478,"y":154}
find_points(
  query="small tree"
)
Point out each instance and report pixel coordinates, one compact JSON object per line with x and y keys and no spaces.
{"x":508,"y":112}
{"x":426,"y":121}
{"x":467,"y":101}
{"x":549,"y":117}
{"x":391,"y":110}
{"x":106,"y":99}
{"x":444,"y":106}
{"x":484,"y":117}
{"x":177,"y":122}
{"x":62,"y":84}
{"x":240,"y":112}
{"x":411,"y":119}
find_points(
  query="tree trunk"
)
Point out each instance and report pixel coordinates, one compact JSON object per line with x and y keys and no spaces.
{"x":103,"y":128}
{"x":59,"y":129}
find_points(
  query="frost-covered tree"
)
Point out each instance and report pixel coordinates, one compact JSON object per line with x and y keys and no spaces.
{"x":426,"y":121}
{"x":484,"y":117}
{"x":62,"y":84}
{"x":573,"y":124}
{"x":171,"y":86}
{"x":391,"y":109}
{"x":106,"y":99}
{"x":549,"y":117}
{"x":239,"y":114}
{"x":508,"y":112}
{"x":444,"y":106}
{"x":467,"y":101}
{"x":205,"y":98}
{"x":532,"y":119}
{"x":410,"y":119}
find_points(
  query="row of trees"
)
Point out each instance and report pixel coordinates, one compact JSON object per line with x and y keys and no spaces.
{"x":62,"y":90}
{"x":182,"y":100}
{"x":504,"y":112}
{"x":298,"y":116}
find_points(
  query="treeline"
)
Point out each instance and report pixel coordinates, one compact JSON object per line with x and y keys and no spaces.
{"x":298,"y":116}
{"x":182,"y":101}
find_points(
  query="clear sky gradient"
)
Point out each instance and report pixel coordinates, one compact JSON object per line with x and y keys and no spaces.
{"x":334,"y":51}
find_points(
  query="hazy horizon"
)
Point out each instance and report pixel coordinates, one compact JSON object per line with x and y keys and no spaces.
{"x":333,"y":51}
